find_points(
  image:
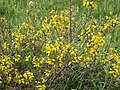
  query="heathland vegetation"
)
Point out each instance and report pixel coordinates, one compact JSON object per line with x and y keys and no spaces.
{"x":59,"y":45}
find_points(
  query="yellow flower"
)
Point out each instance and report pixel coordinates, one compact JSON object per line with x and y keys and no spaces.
{"x":28,"y":77}
{"x":89,"y":59}
{"x":47,"y":73}
{"x":89,"y":4}
{"x":0,"y":79}
{"x":27,"y":58}
{"x":21,"y":81}
{"x":107,"y":17}
{"x":52,"y":12}
{"x":5,"y":45}
{"x":41,"y":87}
{"x":9,"y":78}
{"x":17,"y":45}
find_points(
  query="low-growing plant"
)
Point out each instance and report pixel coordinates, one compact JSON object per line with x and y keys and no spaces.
{"x":60,"y":54}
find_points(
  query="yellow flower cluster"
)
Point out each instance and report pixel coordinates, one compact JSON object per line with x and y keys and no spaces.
{"x":7,"y":67}
{"x":110,"y":24}
{"x":113,"y":60}
{"x":90,"y":4}
{"x":112,"y":21}
{"x":95,"y":44}
{"x":25,"y":37}
{"x":59,"y":49}
{"x":41,"y":87}
{"x":25,"y":78}
{"x":56,"y":25}
{"x":10,"y":57}
{"x":95,"y":37}
{"x":5,"y":45}
{"x":2,"y":21}
{"x":6,"y":64}
{"x":28,"y":77}
{"x":37,"y":61}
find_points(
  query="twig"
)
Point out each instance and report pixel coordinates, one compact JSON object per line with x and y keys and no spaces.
{"x":70,"y":22}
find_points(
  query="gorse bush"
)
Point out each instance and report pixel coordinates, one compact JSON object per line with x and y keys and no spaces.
{"x":59,"y":53}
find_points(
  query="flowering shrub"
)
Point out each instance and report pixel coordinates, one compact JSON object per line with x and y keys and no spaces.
{"x":36,"y":58}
